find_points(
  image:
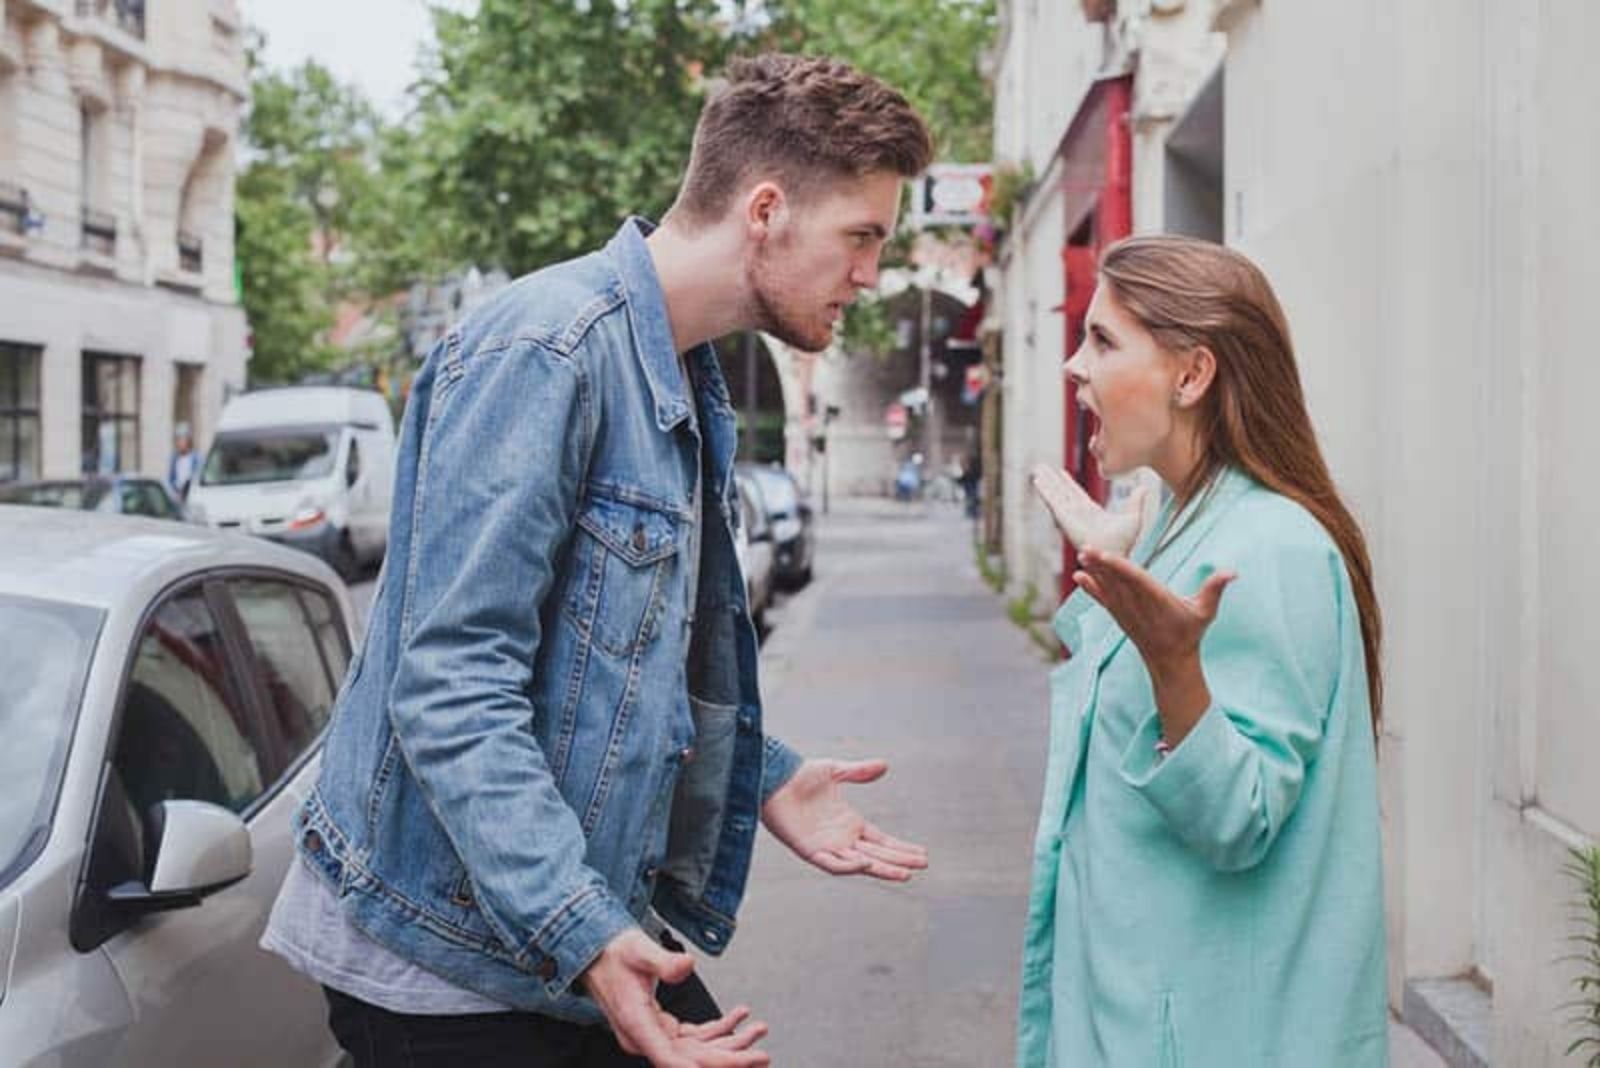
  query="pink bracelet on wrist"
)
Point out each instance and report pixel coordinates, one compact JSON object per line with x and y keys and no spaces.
{"x":1163,"y":748}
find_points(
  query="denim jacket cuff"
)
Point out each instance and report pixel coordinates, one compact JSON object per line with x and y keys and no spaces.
{"x":778,"y":765}
{"x":562,"y":951}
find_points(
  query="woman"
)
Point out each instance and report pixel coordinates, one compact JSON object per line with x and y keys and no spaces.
{"x":1207,"y":886}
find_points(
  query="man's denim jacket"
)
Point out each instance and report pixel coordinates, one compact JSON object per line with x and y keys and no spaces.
{"x":537,"y":740}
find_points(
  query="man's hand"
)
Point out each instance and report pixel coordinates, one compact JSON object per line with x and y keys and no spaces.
{"x":622,"y":981}
{"x":1081,"y":519}
{"x":810,"y":815}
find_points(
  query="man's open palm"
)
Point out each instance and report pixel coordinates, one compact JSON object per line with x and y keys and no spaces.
{"x":810,"y":815}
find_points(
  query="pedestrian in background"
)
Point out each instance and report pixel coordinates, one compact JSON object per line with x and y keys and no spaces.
{"x":185,"y":462}
{"x":1207,"y":886}
{"x":549,"y":748}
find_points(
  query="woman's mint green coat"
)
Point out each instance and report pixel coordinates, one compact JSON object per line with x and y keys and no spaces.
{"x":1223,"y":907}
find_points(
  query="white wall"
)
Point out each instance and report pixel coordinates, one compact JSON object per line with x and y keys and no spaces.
{"x":1432,"y":234}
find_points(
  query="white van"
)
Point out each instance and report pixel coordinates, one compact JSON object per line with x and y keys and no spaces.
{"x":309,"y":466}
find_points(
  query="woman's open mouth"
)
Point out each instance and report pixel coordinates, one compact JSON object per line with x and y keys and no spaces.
{"x":1091,"y":422}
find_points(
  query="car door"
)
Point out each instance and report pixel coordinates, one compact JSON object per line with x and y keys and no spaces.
{"x":192,"y":724}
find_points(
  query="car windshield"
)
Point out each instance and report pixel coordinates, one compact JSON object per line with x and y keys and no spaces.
{"x":85,"y":495}
{"x":43,"y":663}
{"x":287,"y":455}
{"x":778,"y":491}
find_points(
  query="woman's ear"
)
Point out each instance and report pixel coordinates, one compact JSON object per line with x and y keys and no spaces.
{"x":1197,"y":371}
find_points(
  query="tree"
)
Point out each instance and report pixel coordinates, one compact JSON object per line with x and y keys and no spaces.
{"x":541,"y":126}
{"x":309,"y":184}
{"x":928,"y":49}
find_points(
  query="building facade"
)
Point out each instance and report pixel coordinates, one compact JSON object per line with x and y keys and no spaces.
{"x":119,"y":315}
{"x":1085,"y":97}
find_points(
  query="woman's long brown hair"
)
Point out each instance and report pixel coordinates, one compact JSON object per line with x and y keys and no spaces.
{"x":1190,"y":293}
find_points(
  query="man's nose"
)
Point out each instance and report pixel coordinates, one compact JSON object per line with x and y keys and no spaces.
{"x":864,"y":275}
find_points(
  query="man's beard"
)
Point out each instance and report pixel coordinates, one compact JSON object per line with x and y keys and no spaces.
{"x":772,"y":317}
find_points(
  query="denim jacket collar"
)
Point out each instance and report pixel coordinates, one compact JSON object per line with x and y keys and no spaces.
{"x":647,"y":311}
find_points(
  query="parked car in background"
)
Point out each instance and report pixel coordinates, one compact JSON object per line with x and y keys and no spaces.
{"x":309,"y":466}
{"x":163,"y":691}
{"x":752,"y":544}
{"x":117,"y":494}
{"x":793,"y":526}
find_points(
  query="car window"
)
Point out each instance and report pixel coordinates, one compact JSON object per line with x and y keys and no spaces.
{"x":151,"y":500}
{"x":755,"y":516}
{"x":293,"y":673}
{"x":332,"y":639}
{"x":43,"y":662}
{"x":185,"y":734}
{"x":270,"y":455}
{"x":778,"y":492}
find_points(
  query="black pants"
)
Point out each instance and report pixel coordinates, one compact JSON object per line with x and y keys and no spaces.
{"x":377,"y":1038}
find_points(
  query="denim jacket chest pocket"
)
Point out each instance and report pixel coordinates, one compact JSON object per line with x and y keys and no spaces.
{"x":621,"y":565}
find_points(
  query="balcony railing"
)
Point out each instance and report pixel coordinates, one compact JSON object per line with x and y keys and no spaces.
{"x":13,"y":208}
{"x":191,"y":252}
{"x":128,"y":15}
{"x":99,"y":232}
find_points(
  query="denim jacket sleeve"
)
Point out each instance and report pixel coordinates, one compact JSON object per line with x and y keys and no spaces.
{"x":499,"y":474}
{"x":778,"y":765}
{"x":1272,"y":662}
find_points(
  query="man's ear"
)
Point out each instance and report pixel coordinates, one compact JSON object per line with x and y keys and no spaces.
{"x":766,"y":209}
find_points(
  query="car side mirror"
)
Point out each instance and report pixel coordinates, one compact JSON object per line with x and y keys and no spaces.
{"x":199,"y":849}
{"x":352,"y":472}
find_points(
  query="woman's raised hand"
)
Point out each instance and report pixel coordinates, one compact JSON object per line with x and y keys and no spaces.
{"x":1080,"y":517}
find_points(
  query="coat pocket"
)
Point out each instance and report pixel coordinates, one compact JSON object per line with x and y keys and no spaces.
{"x":621,"y":567}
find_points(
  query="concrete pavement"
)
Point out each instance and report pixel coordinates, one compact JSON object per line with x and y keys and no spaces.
{"x":898,"y":650}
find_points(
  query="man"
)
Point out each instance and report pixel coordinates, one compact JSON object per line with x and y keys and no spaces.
{"x":549,"y":746}
{"x":184,"y":464}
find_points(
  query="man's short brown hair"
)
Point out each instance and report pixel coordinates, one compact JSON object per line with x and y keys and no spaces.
{"x":803,"y":121}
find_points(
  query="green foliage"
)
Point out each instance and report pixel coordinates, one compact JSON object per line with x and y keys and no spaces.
{"x":282,"y":285}
{"x":866,"y":327}
{"x":308,"y":179}
{"x":1020,"y":609}
{"x":991,"y":567}
{"x":536,"y":126}
{"x":1583,"y":866}
{"x":541,"y":126}
{"x":1012,"y":183}
{"x":928,"y":49}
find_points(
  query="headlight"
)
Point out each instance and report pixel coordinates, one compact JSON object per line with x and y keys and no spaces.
{"x":306,"y":518}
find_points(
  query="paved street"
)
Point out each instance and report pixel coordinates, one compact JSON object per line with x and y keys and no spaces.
{"x":898,"y":649}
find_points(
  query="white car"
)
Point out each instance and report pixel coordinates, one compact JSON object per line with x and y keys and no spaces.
{"x":163,"y":690}
{"x":753,"y":546}
{"x":308,"y":466}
